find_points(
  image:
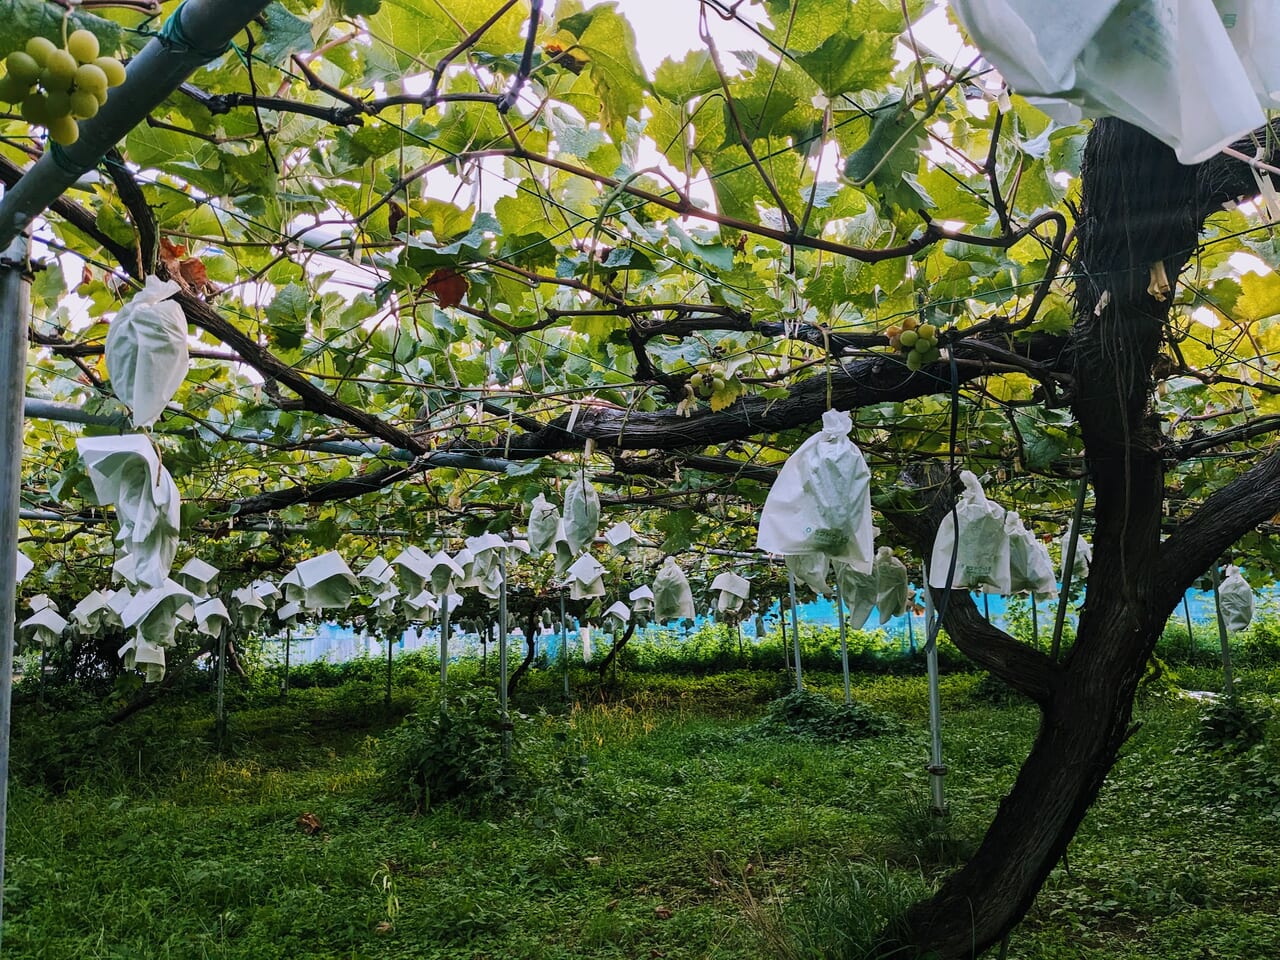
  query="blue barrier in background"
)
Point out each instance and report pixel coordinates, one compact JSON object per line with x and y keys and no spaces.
{"x":337,"y":644}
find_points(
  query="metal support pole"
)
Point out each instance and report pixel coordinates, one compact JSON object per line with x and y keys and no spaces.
{"x":503,"y":716}
{"x":198,"y":31}
{"x":1228,"y":683}
{"x":937,"y":769}
{"x":220,"y":715}
{"x":390,"y":641}
{"x":782,"y":627}
{"x":911,"y":630}
{"x":14,"y":312}
{"x":1035,"y":622}
{"x":564,"y":647}
{"x":288,"y":641}
{"x":795,"y":630}
{"x":1191,"y":636}
{"x":1068,"y":566}
{"x":444,"y":644}
{"x":844,"y":645}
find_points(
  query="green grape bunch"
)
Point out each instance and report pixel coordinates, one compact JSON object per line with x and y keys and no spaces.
{"x":58,"y":87}
{"x":918,"y":341}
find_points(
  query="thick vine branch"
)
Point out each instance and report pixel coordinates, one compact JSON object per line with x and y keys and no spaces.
{"x":856,"y":383}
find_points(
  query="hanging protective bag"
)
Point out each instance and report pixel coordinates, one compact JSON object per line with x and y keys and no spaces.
{"x":126,"y":472}
{"x":672,"y":595}
{"x":1030,"y":568}
{"x":544,"y":521}
{"x":581,"y":514}
{"x":811,"y":569}
{"x":893,"y":591}
{"x":1084,"y":556}
{"x":732,"y":591}
{"x":1235,"y":600}
{"x":857,"y":591}
{"x":821,"y":501}
{"x":146,"y":350}
{"x":1192,"y":73}
{"x":974,"y":534}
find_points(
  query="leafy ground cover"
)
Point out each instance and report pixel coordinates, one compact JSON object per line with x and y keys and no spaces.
{"x":664,"y":816}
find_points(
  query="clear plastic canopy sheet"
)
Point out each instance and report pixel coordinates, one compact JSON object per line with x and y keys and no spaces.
{"x":821,"y":501}
{"x":581,"y":514}
{"x":1235,"y":598}
{"x":126,"y":472}
{"x":1196,"y":74}
{"x":586,"y":578}
{"x":321,"y":583}
{"x":197,"y":576}
{"x":975,"y":535}
{"x":672,"y":596}
{"x":544,"y":524}
{"x":146,"y":350}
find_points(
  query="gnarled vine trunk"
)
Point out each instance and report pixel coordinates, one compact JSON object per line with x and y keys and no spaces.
{"x":1140,"y":212}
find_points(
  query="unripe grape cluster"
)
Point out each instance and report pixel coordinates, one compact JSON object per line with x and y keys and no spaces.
{"x":919,"y":341}
{"x":706,"y":382}
{"x":57,"y":87}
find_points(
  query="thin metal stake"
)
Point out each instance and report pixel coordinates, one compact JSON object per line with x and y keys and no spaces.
{"x":444,"y":644}
{"x":14,"y":313}
{"x":1191,"y":636}
{"x":288,"y":640}
{"x":564,"y":647}
{"x":795,"y":631}
{"x":386,"y":700}
{"x":1228,"y":684}
{"x":844,"y":645}
{"x":1068,"y":565}
{"x":503,"y":716}
{"x":220,"y":724}
{"x":1035,"y":622}
{"x":937,"y":769}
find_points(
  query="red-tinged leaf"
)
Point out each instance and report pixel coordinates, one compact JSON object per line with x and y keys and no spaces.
{"x":447,"y":286}
{"x":395,"y":216}
{"x":193,"y":273}
{"x":170,"y":250}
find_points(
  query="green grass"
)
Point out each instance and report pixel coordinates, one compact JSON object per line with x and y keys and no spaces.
{"x":662,"y":823}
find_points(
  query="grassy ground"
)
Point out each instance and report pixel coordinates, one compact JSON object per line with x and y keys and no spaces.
{"x":665,"y":823}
